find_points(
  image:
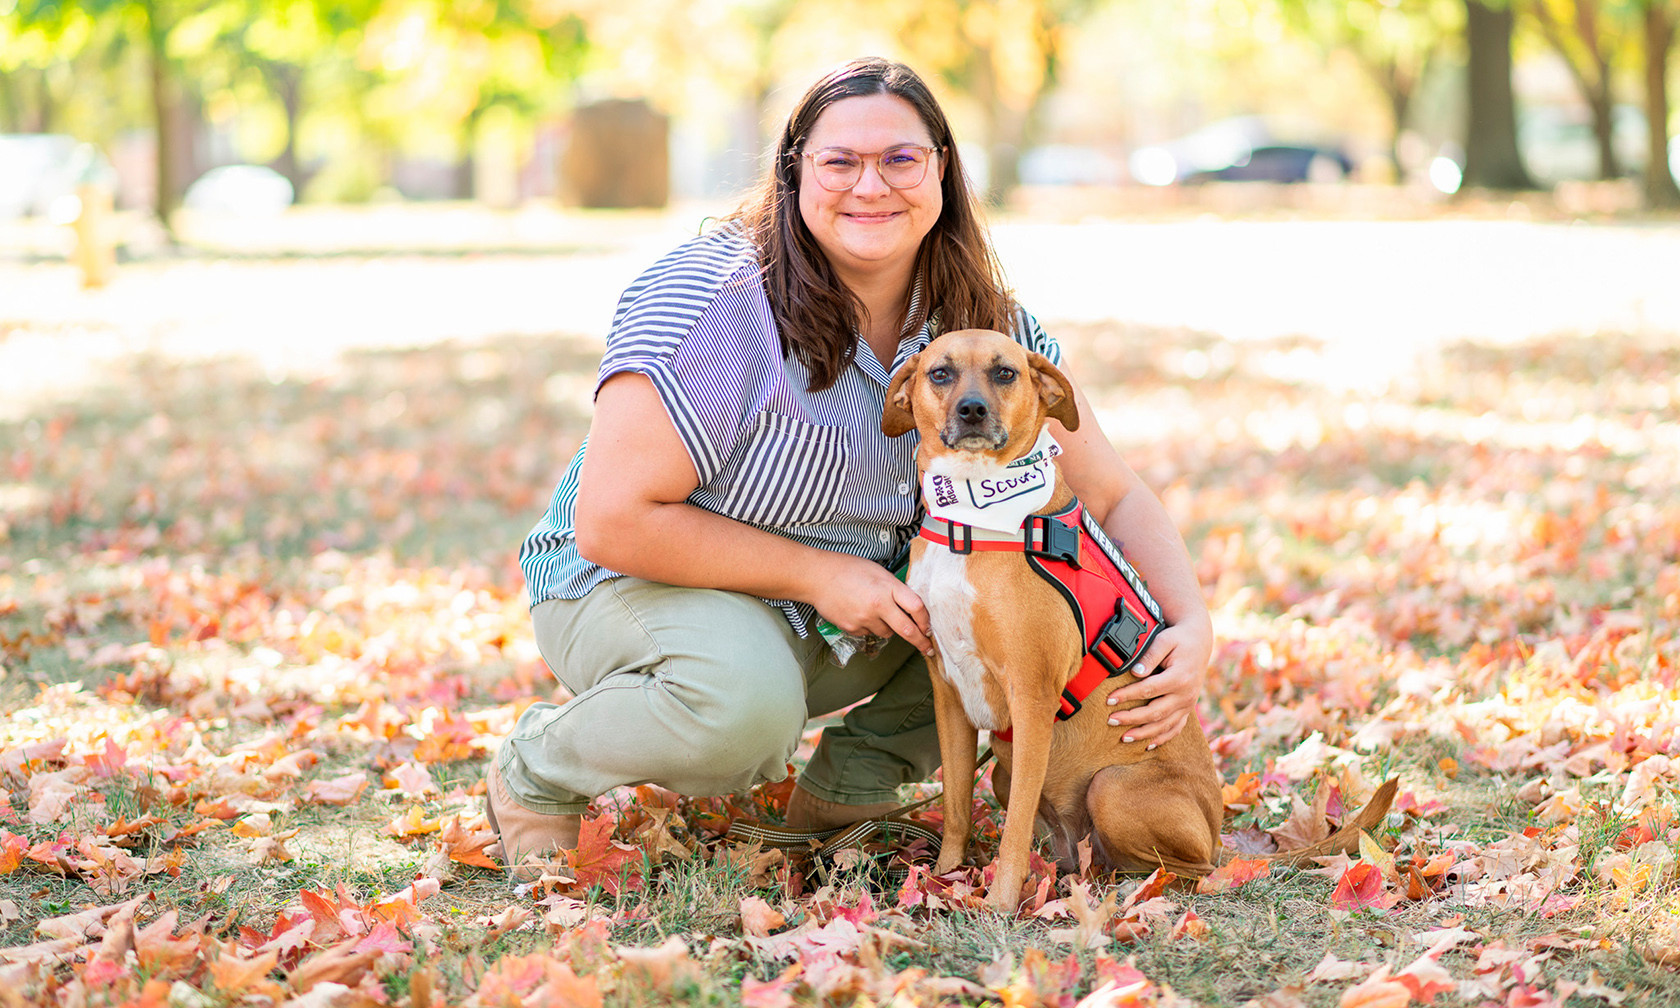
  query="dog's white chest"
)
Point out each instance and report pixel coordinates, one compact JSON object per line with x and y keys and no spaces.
{"x":940,"y":577}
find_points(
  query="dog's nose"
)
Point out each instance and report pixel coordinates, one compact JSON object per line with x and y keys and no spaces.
{"x":972,"y":410}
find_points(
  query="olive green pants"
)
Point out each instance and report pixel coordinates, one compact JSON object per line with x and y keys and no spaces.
{"x":707,"y":692}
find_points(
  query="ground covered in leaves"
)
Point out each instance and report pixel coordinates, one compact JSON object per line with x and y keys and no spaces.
{"x":260,"y":630}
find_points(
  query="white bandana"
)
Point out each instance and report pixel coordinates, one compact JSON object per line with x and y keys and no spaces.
{"x":991,"y":496}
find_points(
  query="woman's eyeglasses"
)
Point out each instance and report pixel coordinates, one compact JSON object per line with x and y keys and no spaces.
{"x":838,"y":169}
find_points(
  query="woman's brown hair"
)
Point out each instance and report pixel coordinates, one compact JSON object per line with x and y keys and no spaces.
{"x":817,"y":316}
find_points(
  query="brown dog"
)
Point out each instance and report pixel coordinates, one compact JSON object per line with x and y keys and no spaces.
{"x":1008,"y":644}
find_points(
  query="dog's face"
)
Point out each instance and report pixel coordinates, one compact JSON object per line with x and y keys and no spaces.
{"x":978,"y":391}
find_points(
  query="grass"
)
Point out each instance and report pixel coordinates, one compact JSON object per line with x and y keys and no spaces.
{"x":214,"y":568}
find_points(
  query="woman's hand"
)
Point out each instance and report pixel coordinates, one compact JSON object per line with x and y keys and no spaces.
{"x":864,"y":598}
{"x":1176,"y":662}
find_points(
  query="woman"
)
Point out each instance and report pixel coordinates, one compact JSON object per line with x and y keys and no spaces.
{"x":735,"y":489}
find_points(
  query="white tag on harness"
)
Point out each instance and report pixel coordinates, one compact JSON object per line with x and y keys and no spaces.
{"x":988,"y":495}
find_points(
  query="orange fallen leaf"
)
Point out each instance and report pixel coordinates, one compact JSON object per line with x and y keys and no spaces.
{"x":1233,"y":873}
{"x":1377,"y":991}
{"x":234,"y":975}
{"x":759,"y":918}
{"x":412,"y":823}
{"x":465,"y":844}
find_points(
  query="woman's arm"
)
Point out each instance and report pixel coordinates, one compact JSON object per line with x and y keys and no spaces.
{"x":1175,"y":663}
{"x":633,"y":517}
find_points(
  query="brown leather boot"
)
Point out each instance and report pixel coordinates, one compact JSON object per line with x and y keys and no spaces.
{"x":807,"y":811}
{"x":528,"y":839}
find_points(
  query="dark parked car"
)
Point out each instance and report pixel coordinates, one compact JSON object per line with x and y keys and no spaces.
{"x":1247,"y":149}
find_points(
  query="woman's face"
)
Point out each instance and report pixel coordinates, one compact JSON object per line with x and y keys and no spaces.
{"x":871,"y":228}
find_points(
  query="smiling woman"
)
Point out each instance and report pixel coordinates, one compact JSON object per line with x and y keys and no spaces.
{"x":736,"y":490}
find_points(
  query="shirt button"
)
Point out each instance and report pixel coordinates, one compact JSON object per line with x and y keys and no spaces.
{"x":904,"y":488}
{"x":886,"y":536}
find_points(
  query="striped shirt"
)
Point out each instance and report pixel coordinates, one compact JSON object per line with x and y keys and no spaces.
{"x":811,"y":466}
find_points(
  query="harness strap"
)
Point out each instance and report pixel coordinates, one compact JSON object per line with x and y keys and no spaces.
{"x":1116,"y":616}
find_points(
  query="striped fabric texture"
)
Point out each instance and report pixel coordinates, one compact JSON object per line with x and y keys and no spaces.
{"x":811,"y":466}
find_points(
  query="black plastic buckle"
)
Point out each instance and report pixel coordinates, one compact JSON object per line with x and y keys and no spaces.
{"x":967,"y":536}
{"x":1120,"y":633}
{"x":1055,"y":541}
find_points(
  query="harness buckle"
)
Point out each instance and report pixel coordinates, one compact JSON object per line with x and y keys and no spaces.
{"x":1122,"y":633}
{"x":967,"y":536}
{"x":1046,"y":537}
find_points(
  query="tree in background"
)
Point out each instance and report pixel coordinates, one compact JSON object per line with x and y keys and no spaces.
{"x":1491,"y":157}
{"x":1660,"y":20}
{"x":1586,"y":36}
{"x":1394,"y":41}
{"x":1005,"y":55}
{"x":144,"y":26}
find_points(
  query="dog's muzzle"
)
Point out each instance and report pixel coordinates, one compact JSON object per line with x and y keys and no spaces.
{"x":972,"y":425}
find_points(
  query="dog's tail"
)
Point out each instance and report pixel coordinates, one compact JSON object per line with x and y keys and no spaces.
{"x":1344,"y":841}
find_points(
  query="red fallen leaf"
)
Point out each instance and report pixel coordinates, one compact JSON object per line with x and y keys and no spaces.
{"x":1232,"y":874}
{"x":1633,"y":836}
{"x":385,"y":939}
{"x":777,"y":993}
{"x":1425,"y":978}
{"x":1123,"y":974}
{"x":109,"y":761}
{"x":221,"y":808}
{"x":1190,"y":926}
{"x":1361,"y":886}
{"x":598,"y":859}
{"x":1409,"y":804}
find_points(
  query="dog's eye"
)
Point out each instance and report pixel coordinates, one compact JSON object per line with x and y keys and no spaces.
{"x":1003,"y":375}
{"x":939,"y":375}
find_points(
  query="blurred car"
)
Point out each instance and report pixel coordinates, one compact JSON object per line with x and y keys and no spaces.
{"x":1244,"y":149}
{"x":39,"y":173}
{"x":240,"y":190}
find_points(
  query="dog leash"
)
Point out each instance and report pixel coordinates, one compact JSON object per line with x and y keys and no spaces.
{"x":825,"y":842}
{"x":890,"y":829}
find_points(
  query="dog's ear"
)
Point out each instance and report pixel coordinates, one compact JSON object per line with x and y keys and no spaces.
{"x":898,"y":416}
{"x":1056,"y":391}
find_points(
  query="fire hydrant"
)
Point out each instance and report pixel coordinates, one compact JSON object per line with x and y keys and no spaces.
{"x":95,"y":253}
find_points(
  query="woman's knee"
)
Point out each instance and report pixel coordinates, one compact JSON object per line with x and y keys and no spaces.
{"x":749,"y":728}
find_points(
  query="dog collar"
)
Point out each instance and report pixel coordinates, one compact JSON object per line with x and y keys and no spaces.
{"x":996,"y":498}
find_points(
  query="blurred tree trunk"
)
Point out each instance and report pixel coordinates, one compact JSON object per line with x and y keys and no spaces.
{"x":286,"y":81}
{"x":173,"y":146}
{"x":466,"y":166}
{"x":1588,"y":51}
{"x":1491,"y":157}
{"x":1661,"y":17}
{"x":1399,"y":87}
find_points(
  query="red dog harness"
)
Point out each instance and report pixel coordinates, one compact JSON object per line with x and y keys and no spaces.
{"x":1117,"y":616}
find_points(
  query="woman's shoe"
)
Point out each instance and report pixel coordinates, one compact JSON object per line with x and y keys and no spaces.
{"x":528,"y":839}
{"x":806,"y":811}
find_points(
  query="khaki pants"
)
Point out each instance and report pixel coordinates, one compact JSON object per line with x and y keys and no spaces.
{"x":707,"y":692}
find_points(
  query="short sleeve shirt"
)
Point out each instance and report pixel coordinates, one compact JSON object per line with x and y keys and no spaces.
{"x":811,"y":466}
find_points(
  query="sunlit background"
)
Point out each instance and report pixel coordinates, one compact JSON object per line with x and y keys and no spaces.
{"x":247,"y":107}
